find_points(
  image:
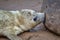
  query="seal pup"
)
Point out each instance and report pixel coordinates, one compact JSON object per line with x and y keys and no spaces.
{"x":14,"y":22}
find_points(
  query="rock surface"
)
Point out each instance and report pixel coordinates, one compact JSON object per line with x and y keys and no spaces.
{"x":42,"y":35}
{"x":52,"y":10}
{"x":53,"y":22}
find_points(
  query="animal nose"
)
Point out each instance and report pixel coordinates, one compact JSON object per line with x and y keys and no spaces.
{"x":35,"y":18}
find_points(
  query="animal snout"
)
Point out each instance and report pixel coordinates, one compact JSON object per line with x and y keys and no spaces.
{"x":39,"y":17}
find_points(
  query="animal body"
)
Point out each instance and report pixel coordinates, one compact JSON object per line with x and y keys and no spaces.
{"x":15,"y":22}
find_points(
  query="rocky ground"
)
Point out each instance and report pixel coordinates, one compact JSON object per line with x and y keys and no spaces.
{"x":51,"y":29}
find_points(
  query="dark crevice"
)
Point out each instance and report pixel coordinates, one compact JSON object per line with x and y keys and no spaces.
{"x":4,"y":37}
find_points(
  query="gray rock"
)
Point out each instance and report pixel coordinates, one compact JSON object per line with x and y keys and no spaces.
{"x":53,"y":22}
{"x":52,"y":10}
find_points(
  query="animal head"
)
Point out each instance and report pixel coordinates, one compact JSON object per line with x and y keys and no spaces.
{"x":28,"y":18}
{"x":32,"y":17}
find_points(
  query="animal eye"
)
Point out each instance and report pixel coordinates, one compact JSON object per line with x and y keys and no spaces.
{"x":35,"y":18}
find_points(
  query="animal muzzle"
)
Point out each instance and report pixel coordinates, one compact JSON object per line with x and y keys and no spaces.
{"x":40,"y":17}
